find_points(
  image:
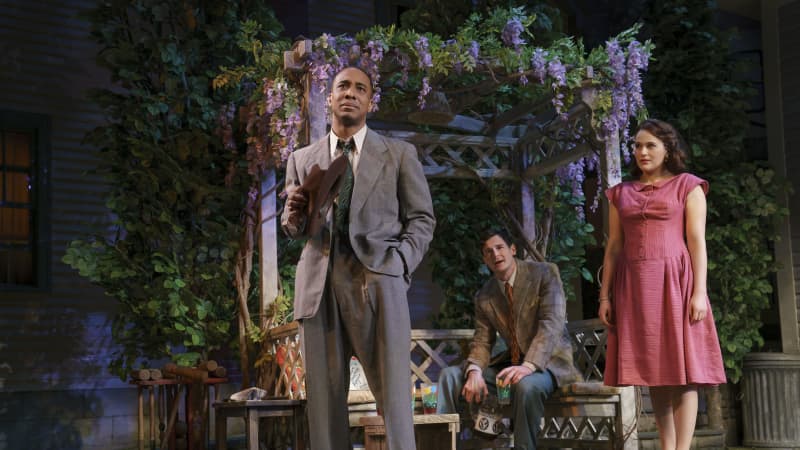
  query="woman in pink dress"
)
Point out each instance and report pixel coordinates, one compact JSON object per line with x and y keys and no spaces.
{"x":653,"y":297}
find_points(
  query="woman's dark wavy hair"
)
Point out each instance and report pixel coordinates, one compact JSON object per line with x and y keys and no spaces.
{"x":677,"y":153}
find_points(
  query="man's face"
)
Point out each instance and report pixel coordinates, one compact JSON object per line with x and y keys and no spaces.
{"x":350,"y":98}
{"x":499,"y":256}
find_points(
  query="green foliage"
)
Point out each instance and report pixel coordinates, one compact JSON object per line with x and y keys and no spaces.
{"x":175,"y":199}
{"x":568,"y":234}
{"x":742,"y":214}
{"x":693,"y":84}
{"x":464,"y":209}
{"x":445,"y":17}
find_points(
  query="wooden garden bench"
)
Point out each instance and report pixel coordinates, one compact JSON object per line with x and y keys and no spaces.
{"x":580,"y":415}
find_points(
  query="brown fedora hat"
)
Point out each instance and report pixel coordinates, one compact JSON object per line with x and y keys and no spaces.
{"x":322,"y":187}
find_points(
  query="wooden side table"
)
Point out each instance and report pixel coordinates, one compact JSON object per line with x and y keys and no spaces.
{"x":252,"y":411}
{"x":166,"y":397}
{"x":431,"y":431}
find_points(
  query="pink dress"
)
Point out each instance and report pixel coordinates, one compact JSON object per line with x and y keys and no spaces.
{"x":653,"y":342}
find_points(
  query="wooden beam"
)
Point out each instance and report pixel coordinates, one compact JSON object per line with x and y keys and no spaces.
{"x":554,"y":162}
{"x":457,"y":139}
{"x":449,"y":171}
{"x":295,"y":59}
{"x":513,"y":114}
{"x":468,"y":124}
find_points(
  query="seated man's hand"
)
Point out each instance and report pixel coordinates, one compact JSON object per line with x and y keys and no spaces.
{"x":475,"y":389}
{"x":513,"y":374}
{"x":296,"y":198}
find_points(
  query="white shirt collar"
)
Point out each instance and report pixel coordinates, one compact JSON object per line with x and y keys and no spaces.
{"x":358,"y":138}
{"x":510,"y":280}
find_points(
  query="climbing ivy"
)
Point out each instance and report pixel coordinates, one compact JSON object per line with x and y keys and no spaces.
{"x":175,"y":192}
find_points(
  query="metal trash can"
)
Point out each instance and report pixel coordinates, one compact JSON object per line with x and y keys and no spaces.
{"x":771,"y":400}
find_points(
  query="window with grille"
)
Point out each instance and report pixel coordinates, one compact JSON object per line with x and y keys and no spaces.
{"x":23,"y":231}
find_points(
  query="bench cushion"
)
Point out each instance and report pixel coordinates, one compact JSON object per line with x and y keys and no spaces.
{"x":588,"y":388}
{"x":357,"y":397}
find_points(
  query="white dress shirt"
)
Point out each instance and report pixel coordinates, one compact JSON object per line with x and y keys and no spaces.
{"x":358,"y":138}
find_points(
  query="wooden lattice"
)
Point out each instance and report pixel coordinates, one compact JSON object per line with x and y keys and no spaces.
{"x":283,"y":343}
{"x":433,"y":350}
{"x":589,"y":342}
{"x":589,"y":416}
{"x":546,"y":142}
{"x":462,"y":156}
{"x":579,"y":428}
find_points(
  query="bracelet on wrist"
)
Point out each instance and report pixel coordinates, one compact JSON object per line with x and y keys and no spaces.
{"x":604,"y":299}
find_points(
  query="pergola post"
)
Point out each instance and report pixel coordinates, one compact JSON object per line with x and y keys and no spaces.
{"x":610,"y":171}
{"x":527,"y":201}
{"x":268,"y":243}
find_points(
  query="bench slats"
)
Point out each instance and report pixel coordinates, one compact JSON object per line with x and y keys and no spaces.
{"x":586,"y":415}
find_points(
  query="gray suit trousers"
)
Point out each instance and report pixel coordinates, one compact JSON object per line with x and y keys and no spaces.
{"x":363,"y":314}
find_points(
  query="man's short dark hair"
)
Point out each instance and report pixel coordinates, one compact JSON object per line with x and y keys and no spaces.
{"x":496,"y":231}
{"x":360,"y":69}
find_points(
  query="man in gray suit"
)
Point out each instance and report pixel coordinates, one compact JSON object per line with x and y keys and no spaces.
{"x":355,"y":270}
{"x":524,"y":302}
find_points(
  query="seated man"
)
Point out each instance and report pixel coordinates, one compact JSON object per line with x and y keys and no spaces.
{"x":525,"y":303}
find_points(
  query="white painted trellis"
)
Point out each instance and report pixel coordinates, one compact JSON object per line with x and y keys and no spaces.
{"x":458,"y":156}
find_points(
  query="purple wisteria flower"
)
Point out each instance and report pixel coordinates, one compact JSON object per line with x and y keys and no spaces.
{"x":539,"y":64}
{"x":474,"y":50}
{"x":274,"y":95}
{"x":288,"y":130}
{"x":344,"y":48}
{"x":376,"y":99}
{"x":375,"y":51}
{"x":370,"y":62}
{"x":330,"y":40}
{"x":426,"y":89}
{"x":512,"y":32}
{"x":618,"y":116}
{"x":327,"y":59}
{"x":626,"y":93}
{"x":573,"y":175}
{"x":558,"y":73}
{"x":425,"y":59}
{"x":638,"y":59}
{"x":523,"y":80}
{"x":405,"y":61}
{"x":354,"y":52}
{"x":616,"y":59}
{"x":454,"y":52}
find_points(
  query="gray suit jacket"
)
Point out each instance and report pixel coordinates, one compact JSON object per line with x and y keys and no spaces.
{"x":540,"y":313}
{"x":391,"y":215}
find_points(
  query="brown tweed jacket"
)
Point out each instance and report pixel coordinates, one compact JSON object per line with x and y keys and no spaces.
{"x":540,"y":312}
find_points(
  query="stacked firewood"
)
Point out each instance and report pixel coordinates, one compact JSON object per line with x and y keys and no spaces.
{"x":186,"y":378}
{"x":146,"y":374}
{"x":200,"y":373}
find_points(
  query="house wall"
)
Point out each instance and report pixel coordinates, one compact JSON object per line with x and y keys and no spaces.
{"x":789,"y":36}
{"x":782,"y":92}
{"x":55,"y":391}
